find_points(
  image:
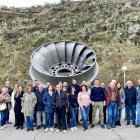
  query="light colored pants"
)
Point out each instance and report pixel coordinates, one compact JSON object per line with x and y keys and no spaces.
{"x":38,"y":115}
{"x":97,"y":105}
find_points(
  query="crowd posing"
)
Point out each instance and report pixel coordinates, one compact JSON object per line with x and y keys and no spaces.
{"x":66,"y":105}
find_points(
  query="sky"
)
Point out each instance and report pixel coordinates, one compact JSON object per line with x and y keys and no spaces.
{"x":25,"y":3}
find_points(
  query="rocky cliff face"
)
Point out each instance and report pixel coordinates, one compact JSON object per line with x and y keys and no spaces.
{"x":111,"y":27}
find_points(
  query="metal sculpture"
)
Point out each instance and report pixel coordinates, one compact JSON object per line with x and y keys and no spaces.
{"x":63,"y":61}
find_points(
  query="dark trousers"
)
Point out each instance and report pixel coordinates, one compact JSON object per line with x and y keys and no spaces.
{"x":61,"y":116}
{"x":19,"y":119}
{"x":90,"y":114}
{"x":131,"y":110}
{"x":104,"y":112}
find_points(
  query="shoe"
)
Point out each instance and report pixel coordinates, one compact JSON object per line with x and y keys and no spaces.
{"x":32,"y":129}
{"x":86,"y":128}
{"x":103,"y":126}
{"x":44,"y":126}
{"x":28,"y":130}
{"x":92,"y":126}
{"x":46,"y":130}
{"x":2,"y":127}
{"x":72,"y":129}
{"x":9,"y":123}
{"x":75,"y":128}
{"x":128,"y":123}
{"x":64,"y":131}
{"x":113,"y":126}
{"x":134,"y":123}
{"x":137,"y":126}
{"x":38,"y":127}
{"x":17,"y":127}
{"x":21,"y":127}
{"x":51,"y":129}
{"x":108,"y":127}
{"x":57,"y":130}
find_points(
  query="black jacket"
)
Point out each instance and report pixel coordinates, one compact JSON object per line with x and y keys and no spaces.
{"x":10,"y":90}
{"x":60,"y":100}
{"x":130,"y":96}
{"x":18,"y":107}
{"x":73,"y":100}
{"x":40,"y":106}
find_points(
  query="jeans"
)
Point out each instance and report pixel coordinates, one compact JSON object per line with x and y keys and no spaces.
{"x":138,"y":113}
{"x":3,"y":117}
{"x":49,"y":119}
{"x":85,"y":114}
{"x":29,"y":122}
{"x":61,"y":116}
{"x":131,"y":109}
{"x":112,"y":111}
{"x":73,"y":113}
{"x":119,"y":115}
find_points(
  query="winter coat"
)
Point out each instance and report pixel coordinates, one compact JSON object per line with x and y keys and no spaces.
{"x":17,"y":106}
{"x":47,"y":101}
{"x":28,"y":103}
{"x":130,"y":96}
{"x":60,"y":100}
{"x":39,"y":95}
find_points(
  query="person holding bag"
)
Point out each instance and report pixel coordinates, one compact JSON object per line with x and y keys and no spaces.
{"x":4,"y":99}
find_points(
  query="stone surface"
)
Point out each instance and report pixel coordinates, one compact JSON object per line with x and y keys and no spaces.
{"x":120,"y":133}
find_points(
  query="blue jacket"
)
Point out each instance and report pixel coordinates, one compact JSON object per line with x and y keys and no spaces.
{"x":40,"y":106}
{"x":47,"y":101}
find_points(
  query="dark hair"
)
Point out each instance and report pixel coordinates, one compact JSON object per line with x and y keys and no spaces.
{"x":83,"y":86}
{"x":71,"y":89}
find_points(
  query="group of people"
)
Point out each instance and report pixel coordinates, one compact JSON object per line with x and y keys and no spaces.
{"x":66,"y":105}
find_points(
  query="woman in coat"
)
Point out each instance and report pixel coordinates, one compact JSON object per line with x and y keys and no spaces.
{"x":28,"y":104}
{"x":4,"y":103}
{"x":47,"y":101}
{"x":17,"y":108}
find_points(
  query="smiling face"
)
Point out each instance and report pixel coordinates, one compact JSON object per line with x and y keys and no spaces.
{"x":129,"y":84}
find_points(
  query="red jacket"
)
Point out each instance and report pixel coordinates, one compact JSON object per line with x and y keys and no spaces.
{"x":108,"y":95}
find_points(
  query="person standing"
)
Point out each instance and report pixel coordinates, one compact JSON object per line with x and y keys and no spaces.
{"x":97,"y":97}
{"x":40,"y":107}
{"x":130,"y":102}
{"x":112,"y":102}
{"x":9,"y":90}
{"x":119,"y":110}
{"x":17,"y":109}
{"x":28,"y":104}
{"x":84,"y":104}
{"x":73,"y":107}
{"x":49,"y":110}
{"x":89,"y":87}
{"x":4,"y":103}
{"x":60,"y":102}
{"x":138,"y":105}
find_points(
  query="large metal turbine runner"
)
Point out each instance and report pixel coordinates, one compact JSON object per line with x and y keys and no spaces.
{"x":63,"y":61}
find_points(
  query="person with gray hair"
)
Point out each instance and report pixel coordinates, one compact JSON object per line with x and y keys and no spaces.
{"x":40,"y":107}
{"x":4,"y":103}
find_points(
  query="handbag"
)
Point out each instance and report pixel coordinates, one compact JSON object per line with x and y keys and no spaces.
{"x":2,"y":106}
